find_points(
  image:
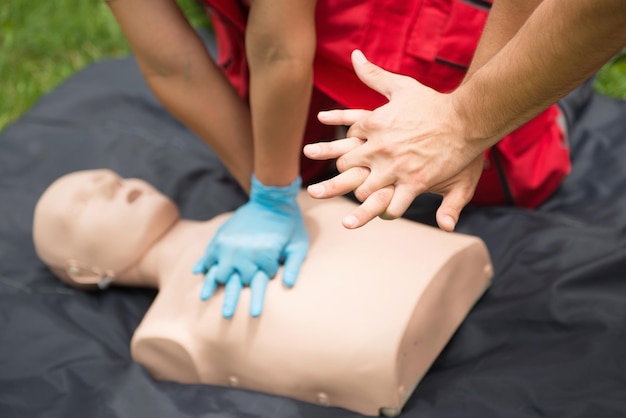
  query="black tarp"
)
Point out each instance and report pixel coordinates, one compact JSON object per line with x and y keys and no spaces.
{"x":547,"y":340}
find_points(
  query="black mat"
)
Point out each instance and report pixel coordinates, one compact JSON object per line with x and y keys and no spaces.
{"x":547,"y":340}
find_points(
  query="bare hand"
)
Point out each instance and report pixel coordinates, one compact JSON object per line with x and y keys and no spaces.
{"x":413,"y":144}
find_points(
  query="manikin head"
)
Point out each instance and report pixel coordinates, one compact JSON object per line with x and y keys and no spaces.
{"x":91,"y":226}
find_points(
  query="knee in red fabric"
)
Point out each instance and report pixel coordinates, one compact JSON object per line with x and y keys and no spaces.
{"x":527,"y":166}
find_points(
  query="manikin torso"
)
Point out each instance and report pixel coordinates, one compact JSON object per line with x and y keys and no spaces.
{"x":370,"y":312}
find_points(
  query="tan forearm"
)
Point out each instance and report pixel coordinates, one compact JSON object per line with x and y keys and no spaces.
{"x":211,"y":108}
{"x":280,"y":45}
{"x":558,"y":47}
{"x":183,"y":76}
{"x":279,"y":100}
{"x":505,"y":19}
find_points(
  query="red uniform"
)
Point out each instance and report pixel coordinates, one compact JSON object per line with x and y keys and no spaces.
{"x":432,"y":41}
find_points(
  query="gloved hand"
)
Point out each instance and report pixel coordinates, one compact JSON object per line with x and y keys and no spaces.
{"x":249,"y":247}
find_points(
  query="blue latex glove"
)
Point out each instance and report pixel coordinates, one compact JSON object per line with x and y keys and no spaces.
{"x":249,"y":247}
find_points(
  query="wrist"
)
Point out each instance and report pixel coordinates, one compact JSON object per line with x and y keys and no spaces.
{"x":272,"y":195}
{"x":476,"y":131}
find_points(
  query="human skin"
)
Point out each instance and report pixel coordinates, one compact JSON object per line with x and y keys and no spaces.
{"x":264,"y":138}
{"x":359,"y":332}
{"x":425,"y":141}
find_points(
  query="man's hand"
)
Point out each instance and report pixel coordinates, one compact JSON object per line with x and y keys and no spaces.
{"x":248,"y":249}
{"x":413,"y":144}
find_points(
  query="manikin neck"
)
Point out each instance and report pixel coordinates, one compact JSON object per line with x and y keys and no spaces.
{"x":162,"y":256}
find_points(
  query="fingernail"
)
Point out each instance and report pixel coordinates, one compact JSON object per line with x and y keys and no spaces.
{"x":349,"y":221}
{"x":449,"y":222}
{"x":358,"y":57}
{"x":316,"y":189}
{"x":312,"y":149}
{"x":322,"y":115}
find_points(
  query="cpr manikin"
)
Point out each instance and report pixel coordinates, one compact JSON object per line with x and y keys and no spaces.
{"x":359,"y":330}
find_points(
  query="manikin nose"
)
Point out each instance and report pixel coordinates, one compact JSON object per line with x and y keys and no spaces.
{"x":108,"y":183}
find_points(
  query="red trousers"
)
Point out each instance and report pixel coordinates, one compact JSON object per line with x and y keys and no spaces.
{"x":432,"y":41}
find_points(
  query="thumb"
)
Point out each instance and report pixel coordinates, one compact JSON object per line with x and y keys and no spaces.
{"x":451,"y":206}
{"x":375,"y":77}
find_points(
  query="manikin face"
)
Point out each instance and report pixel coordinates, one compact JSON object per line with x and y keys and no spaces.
{"x":97,"y":219}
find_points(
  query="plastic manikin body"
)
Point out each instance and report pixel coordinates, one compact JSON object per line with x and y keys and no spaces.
{"x":371,"y":311}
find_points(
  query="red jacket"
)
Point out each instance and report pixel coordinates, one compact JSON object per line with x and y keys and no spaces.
{"x":432,"y":41}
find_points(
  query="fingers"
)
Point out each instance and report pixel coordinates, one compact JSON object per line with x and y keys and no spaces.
{"x":332,"y":149}
{"x":373,"y":206}
{"x":342,"y":116}
{"x":223,"y":270}
{"x":371,"y":183}
{"x":206,"y":261}
{"x":209,"y":285}
{"x":246,"y":269}
{"x":200,"y":266}
{"x":375,"y":77}
{"x":340,"y":184}
{"x":258,"y":287}
{"x":293,"y":263}
{"x":265,"y":263}
{"x":232,"y":290}
{"x":451,"y":206}
{"x":403,"y":196}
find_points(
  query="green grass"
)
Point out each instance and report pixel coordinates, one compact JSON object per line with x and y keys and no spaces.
{"x":42,"y":42}
{"x":611,"y":78}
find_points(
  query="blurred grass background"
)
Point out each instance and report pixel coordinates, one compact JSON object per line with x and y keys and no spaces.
{"x":43,"y":42}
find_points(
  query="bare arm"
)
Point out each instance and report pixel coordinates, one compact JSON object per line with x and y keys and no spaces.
{"x":180,"y":72}
{"x":559,"y":46}
{"x":505,"y":19}
{"x":280,"y":46}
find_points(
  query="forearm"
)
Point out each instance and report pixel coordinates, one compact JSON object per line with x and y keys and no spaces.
{"x":505,"y":19}
{"x":183,"y":76}
{"x":280,"y":45}
{"x":558,"y":47}
{"x":207,"y":104}
{"x":279,"y":100}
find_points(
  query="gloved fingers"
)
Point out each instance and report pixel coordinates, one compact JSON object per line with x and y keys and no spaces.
{"x":207,"y":260}
{"x":295,"y":256}
{"x":268,"y":264}
{"x":247,"y":270}
{"x":258,"y":287}
{"x":199,"y":267}
{"x":209,"y":285}
{"x":204,"y":264}
{"x":225,"y":268}
{"x":232,"y":290}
